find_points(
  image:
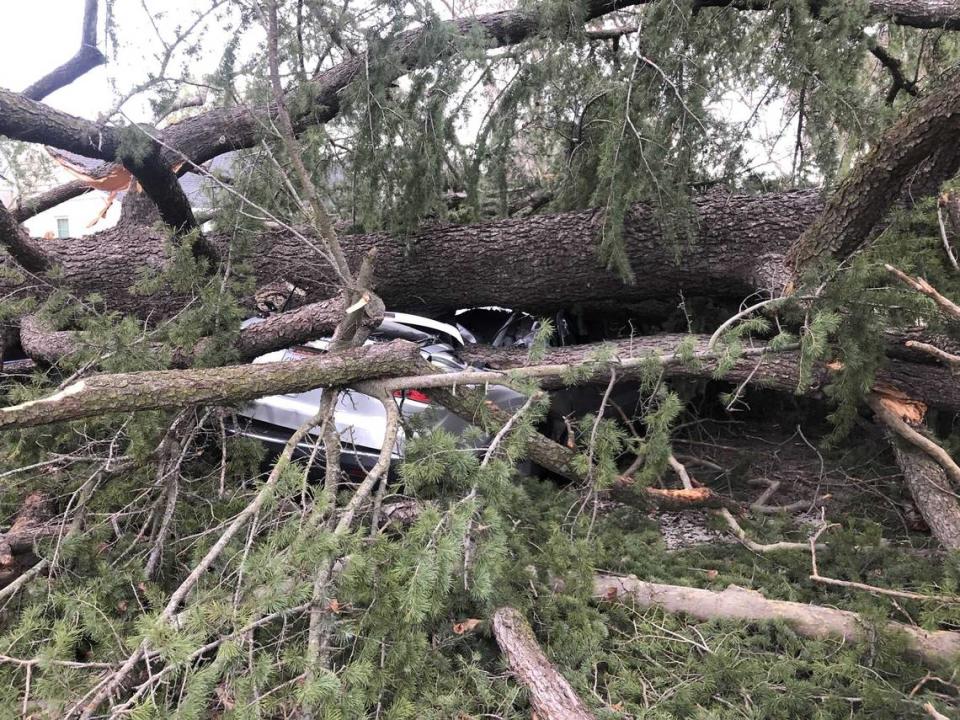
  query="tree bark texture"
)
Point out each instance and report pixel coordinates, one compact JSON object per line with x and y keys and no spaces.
{"x":924,"y":136}
{"x":936,"y":649}
{"x":126,"y":392}
{"x":537,"y":263}
{"x":932,"y":492}
{"x":551,"y":696}
{"x":31,"y":524}
{"x":930,"y":383}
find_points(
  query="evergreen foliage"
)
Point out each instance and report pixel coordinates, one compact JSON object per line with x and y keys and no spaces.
{"x":601,"y":124}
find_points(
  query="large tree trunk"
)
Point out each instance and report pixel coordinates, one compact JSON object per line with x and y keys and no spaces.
{"x":931,"y":491}
{"x":538,"y":263}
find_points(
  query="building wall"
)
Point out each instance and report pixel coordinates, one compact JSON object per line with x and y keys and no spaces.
{"x":77,"y":213}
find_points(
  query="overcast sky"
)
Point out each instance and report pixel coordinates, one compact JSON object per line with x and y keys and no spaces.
{"x":39,"y":35}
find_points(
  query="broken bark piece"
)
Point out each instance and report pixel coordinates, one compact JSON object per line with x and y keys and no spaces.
{"x":934,"y":649}
{"x":551,"y":696}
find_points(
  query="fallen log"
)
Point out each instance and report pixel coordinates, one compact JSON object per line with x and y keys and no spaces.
{"x":551,"y":696}
{"x":934,"y":649}
{"x":538,"y":263}
{"x":932,"y":384}
{"x":276,"y":332}
{"x":126,"y":392}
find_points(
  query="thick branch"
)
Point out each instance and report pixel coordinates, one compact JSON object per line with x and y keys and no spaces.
{"x":935,"y":649}
{"x":221,"y":130}
{"x":922,"y":14}
{"x":126,"y":392}
{"x":85,"y":59}
{"x":32,"y":121}
{"x":932,"y":384}
{"x":927,"y":134}
{"x":26,"y":208}
{"x":23,"y":248}
{"x":276,"y":332}
{"x":551,"y":696}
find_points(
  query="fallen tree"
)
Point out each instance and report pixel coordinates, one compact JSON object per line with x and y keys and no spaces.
{"x":126,"y":392}
{"x":538,"y":263}
{"x":308,"y":545}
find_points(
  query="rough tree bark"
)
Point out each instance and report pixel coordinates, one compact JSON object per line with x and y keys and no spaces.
{"x":551,"y":696}
{"x":930,"y":383}
{"x":935,"y":649}
{"x":125,"y":392}
{"x":932,"y":492}
{"x":538,"y":263}
{"x":922,"y":140}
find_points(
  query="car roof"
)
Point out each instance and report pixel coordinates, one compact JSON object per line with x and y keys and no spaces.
{"x":420,"y":322}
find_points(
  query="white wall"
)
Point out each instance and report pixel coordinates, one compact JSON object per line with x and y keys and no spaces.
{"x":79,"y":212}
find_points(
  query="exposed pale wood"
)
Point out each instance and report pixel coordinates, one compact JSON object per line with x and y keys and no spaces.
{"x":933,"y":648}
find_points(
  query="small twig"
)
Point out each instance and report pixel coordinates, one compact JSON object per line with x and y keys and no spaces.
{"x":904,"y":594}
{"x":933,"y":350}
{"x":741,"y":535}
{"x":946,"y":240}
{"x":773,"y":486}
{"x":924,"y":288}
{"x":729,"y":322}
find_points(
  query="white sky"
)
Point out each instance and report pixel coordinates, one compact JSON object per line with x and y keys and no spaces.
{"x":39,"y":35}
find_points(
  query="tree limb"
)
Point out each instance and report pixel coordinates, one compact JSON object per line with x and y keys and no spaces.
{"x":85,"y":59}
{"x":934,"y":649}
{"x":551,"y":696}
{"x":926,"y":132}
{"x":126,"y":392}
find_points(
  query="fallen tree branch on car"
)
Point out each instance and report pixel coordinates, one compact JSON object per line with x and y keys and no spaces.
{"x":125,"y":392}
{"x":778,"y":370}
{"x":276,"y":332}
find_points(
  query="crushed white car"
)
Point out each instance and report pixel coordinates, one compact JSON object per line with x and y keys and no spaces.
{"x":360,"y":419}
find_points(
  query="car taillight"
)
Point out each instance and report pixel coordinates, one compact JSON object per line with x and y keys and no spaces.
{"x":414,"y":395}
